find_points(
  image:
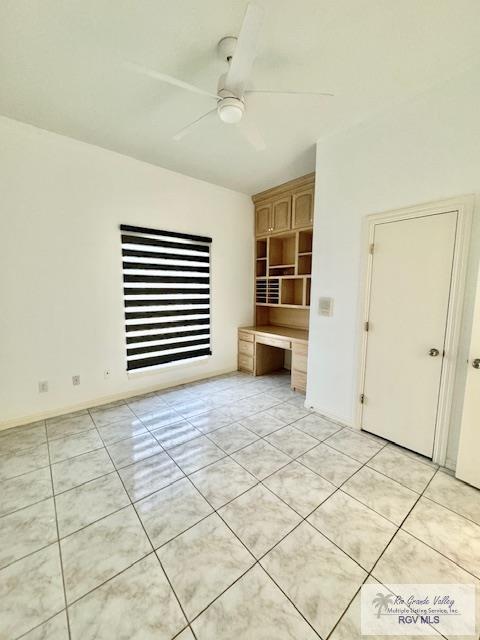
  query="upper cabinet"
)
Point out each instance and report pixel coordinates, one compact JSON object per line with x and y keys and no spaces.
{"x":263,"y":216}
{"x":281,"y":214}
{"x":284,"y":208}
{"x":302,"y":209}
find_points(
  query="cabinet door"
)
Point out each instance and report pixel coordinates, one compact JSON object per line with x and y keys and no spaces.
{"x":281,"y":214}
{"x":263,"y":215}
{"x":302,"y":209}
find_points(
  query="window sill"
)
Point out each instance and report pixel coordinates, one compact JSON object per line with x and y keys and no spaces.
{"x":141,"y":373}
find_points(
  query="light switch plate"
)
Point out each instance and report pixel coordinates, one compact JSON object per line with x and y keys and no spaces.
{"x":325,"y":306}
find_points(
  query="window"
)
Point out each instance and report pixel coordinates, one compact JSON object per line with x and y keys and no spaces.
{"x":166,"y":279}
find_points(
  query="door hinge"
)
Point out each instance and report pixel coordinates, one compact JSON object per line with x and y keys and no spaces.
{"x":367,"y":326}
{"x":362,"y":399}
{"x":371,"y":249}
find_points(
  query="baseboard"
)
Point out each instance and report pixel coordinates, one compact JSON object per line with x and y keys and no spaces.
{"x":450,"y":464}
{"x":329,"y":416}
{"x":98,"y":401}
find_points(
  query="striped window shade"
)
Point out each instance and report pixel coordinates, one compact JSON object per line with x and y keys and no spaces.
{"x":166,"y":279}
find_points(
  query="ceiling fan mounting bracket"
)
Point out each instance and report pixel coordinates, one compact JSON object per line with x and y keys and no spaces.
{"x":226,"y":48}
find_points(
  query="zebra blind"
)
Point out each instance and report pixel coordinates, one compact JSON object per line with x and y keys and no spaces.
{"x":166,"y":279}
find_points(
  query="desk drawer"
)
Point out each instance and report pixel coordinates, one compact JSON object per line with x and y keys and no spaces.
{"x":245,"y":362}
{"x":274,"y":342}
{"x":244,"y":335}
{"x":245,"y":347}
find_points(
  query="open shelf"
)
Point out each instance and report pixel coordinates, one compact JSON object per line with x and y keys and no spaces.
{"x":282,"y":316}
{"x":282,"y":250}
{"x":292,"y":291}
{"x":283,"y":267}
{"x":305,"y":264}
{"x":305,"y":241}
{"x":282,"y":270}
{"x":261,"y":249}
{"x":261,"y":267}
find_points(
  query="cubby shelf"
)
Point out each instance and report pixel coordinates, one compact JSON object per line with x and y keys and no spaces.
{"x":283,"y":270}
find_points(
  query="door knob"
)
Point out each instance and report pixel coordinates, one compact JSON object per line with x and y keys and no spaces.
{"x":476,"y":363}
{"x":434,"y":353}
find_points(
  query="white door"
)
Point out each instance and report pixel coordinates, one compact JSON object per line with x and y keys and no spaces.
{"x":468,"y":462}
{"x":409,"y":296}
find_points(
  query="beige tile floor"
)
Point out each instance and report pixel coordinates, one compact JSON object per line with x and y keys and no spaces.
{"x":217,"y":510}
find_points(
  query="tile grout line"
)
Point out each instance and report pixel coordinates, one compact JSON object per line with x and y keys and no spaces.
{"x":58,"y":541}
{"x":227,"y":455}
{"x":475,"y":577}
{"x":370,"y":573}
{"x":209,"y":464}
{"x":37,"y":626}
{"x":215,"y":511}
{"x":153,"y":551}
{"x":460,"y":515}
{"x":116,"y":470}
{"x":256,"y":561}
{"x":95,"y":426}
{"x":398,"y":528}
{"x":242,"y":543}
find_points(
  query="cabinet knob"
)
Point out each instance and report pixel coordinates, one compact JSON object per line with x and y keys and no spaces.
{"x":476,"y":363}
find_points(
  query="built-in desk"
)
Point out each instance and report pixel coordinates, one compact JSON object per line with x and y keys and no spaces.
{"x":261,"y":350}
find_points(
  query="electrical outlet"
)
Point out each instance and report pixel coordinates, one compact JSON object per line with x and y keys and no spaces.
{"x":106,"y":373}
{"x":75,"y":380}
{"x":43,"y":386}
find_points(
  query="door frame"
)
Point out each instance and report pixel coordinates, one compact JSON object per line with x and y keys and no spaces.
{"x":464,"y":206}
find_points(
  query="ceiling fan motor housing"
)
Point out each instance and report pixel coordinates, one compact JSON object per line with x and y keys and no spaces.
{"x":231,"y":110}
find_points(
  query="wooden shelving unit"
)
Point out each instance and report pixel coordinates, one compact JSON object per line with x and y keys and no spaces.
{"x":283,"y":272}
{"x":283,"y":260}
{"x":283,"y":275}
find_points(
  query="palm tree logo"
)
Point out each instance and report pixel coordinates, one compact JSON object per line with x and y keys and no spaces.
{"x":382,"y":601}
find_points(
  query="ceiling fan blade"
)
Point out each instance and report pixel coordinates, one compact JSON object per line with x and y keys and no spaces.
{"x":291,"y":93}
{"x":163,"y":77}
{"x":253,"y":136}
{"x":245,"y":50}
{"x":186,"y":130}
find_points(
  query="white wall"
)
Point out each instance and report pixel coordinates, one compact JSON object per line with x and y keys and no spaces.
{"x":425,"y":150}
{"x":61,"y":302}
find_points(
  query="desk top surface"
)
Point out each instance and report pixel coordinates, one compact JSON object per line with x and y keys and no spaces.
{"x":283,"y":332}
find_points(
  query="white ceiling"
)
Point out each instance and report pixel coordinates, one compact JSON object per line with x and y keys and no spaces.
{"x":62,"y":68}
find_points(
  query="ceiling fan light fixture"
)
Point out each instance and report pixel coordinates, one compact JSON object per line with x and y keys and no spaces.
{"x":231,"y":110}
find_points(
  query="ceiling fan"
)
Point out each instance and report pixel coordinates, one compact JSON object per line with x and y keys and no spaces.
{"x":231,"y":94}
